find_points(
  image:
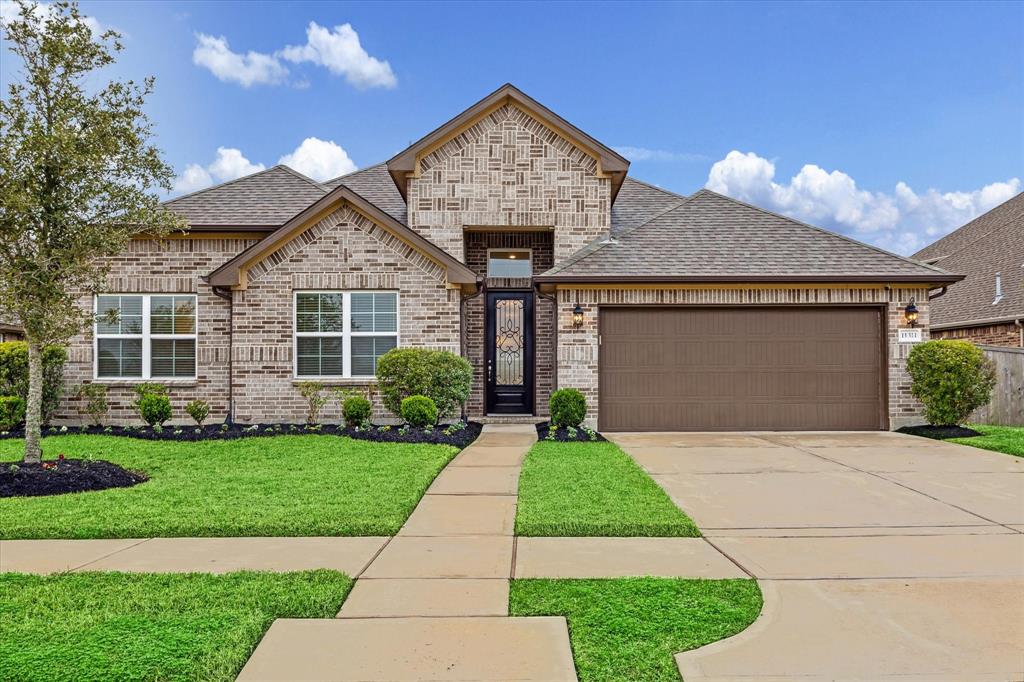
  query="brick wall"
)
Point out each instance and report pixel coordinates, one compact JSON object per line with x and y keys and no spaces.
{"x":1006,"y":334}
{"x":578,"y":352}
{"x":540,"y":243}
{"x":509,"y":169}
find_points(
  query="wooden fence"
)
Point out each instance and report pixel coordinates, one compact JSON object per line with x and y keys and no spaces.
{"x":1007,"y":405}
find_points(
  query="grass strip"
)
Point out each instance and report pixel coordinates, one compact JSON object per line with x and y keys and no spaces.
{"x":1008,"y":439}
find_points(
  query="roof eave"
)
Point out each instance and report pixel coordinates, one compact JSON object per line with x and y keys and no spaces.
{"x":735,"y":279}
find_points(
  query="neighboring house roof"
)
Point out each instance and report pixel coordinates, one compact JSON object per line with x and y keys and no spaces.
{"x":991,"y":243}
{"x":233,"y":273}
{"x":376,"y":186}
{"x":266,"y":199}
{"x":406,"y":162}
{"x":710,"y":237}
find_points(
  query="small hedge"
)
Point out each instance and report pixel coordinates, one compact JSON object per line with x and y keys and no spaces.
{"x":14,"y":374}
{"x":439,"y":375}
{"x":199,"y":410}
{"x":155,"y":409}
{"x":419,"y":410}
{"x":951,"y":379}
{"x":356,"y":410}
{"x":568,"y":407}
{"x":12,"y":412}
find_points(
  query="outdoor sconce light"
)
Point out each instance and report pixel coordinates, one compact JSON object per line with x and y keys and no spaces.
{"x":577,"y":317}
{"x":910,"y":312}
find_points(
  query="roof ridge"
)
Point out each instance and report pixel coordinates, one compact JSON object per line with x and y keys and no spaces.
{"x":830,"y":233}
{"x":358,"y":170}
{"x":303,"y":177}
{"x":655,"y":187}
{"x":238,"y":179}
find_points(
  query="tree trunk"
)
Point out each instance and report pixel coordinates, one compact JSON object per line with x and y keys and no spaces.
{"x":34,"y":409}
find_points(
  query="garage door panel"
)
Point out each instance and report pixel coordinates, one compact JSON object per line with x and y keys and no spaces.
{"x":740,"y":368}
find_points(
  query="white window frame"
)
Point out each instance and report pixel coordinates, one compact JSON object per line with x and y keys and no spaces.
{"x":527,"y":251}
{"x":346,"y":334}
{"x":146,"y":338}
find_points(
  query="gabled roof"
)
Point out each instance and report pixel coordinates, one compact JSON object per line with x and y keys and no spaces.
{"x":406,"y":162}
{"x":265,"y":199}
{"x":376,"y":186}
{"x":991,"y":243}
{"x":233,"y":273}
{"x":709,"y":237}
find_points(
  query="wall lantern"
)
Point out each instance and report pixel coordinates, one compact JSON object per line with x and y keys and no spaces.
{"x":577,"y":317}
{"x":910,"y":312}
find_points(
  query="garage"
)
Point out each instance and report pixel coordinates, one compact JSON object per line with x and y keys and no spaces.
{"x":741,"y":368}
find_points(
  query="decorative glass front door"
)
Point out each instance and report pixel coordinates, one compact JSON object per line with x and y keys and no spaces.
{"x":510,"y":353}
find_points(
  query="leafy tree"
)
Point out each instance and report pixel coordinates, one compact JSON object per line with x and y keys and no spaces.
{"x":77,"y":174}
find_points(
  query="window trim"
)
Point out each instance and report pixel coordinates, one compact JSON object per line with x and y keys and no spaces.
{"x":346,"y":334}
{"x":527,"y":250}
{"x":145,"y":336}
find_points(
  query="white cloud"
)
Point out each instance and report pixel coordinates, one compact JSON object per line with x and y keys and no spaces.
{"x":229,"y":165}
{"x":9,"y":11}
{"x":645,"y":154}
{"x":340,"y":51}
{"x":319,"y":159}
{"x":252,"y":68}
{"x":903,"y":221}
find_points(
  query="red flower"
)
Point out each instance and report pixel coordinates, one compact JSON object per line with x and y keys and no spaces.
{"x":61,"y":456}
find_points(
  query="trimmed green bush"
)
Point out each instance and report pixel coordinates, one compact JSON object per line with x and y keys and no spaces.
{"x":419,"y":410}
{"x":568,"y":407}
{"x":155,"y":409}
{"x":12,"y":412}
{"x":951,"y":379}
{"x":355,"y":410}
{"x":199,"y":410}
{"x":14,"y":374}
{"x":442,"y":376}
{"x":94,"y":397}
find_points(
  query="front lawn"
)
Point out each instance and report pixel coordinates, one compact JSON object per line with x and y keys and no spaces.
{"x":280,"y":486}
{"x":1008,"y":439}
{"x":630,"y":628}
{"x":119,"y":626}
{"x":593,"y":489}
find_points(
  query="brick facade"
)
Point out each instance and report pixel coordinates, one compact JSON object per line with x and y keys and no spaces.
{"x":578,"y":348}
{"x":1005,"y":334}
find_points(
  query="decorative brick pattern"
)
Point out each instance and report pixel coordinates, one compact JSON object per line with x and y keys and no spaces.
{"x":578,"y":350}
{"x":1007,"y":334}
{"x":508,"y":170}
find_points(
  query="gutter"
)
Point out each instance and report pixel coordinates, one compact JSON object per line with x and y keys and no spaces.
{"x":612,"y":280}
{"x":941,"y":293}
{"x":1009,"y":319}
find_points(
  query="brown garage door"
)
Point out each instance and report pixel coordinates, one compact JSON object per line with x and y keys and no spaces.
{"x":666,"y":369}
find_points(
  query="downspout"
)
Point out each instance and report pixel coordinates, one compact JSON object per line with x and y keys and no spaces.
{"x":1020,"y":326}
{"x":941,"y":292}
{"x":225,"y":293}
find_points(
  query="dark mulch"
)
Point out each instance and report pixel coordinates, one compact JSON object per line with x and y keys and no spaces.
{"x":439,"y":435}
{"x":939,"y":432}
{"x":563,"y":435}
{"x":64,"y":476}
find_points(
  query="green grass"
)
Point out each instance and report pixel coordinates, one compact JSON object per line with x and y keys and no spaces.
{"x":119,"y":626}
{"x":1008,"y":439}
{"x":284,"y":485}
{"x":593,"y":489}
{"x":630,"y":628}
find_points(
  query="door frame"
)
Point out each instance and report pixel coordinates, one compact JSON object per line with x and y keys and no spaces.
{"x":529,"y":348}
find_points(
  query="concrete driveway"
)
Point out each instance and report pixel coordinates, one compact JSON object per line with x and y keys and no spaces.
{"x":881,"y":556}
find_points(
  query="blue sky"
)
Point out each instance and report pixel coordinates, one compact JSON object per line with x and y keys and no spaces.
{"x":892,"y":122}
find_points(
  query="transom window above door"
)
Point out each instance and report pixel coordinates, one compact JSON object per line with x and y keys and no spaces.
{"x":509,"y":263}
{"x":340,"y":334}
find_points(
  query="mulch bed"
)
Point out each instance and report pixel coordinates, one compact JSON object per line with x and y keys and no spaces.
{"x":64,"y":476}
{"x":439,"y":435}
{"x":939,"y":432}
{"x":563,"y":435}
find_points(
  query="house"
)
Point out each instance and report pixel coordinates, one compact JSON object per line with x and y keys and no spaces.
{"x":516,"y":239}
{"x":9,"y":331}
{"x":988,"y":306}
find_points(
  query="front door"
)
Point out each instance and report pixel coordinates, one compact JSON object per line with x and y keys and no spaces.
{"x":509,"y":356}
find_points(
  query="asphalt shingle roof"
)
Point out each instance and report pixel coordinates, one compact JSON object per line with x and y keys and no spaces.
{"x":376,"y":186}
{"x":638,"y":203}
{"x":991,"y":243}
{"x":713,"y":236}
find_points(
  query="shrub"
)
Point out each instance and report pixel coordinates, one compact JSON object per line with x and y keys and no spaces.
{"x":312,"y":391}
{"x":419,"y":410}
{"x":155,"y":409}
{"x":14,"y":374}
{"x":439,"y":375}
{"x":94,"y":397}
{"x":199,"y":410}
{"x":12,"y":412}
{"x":355,"y":410}
{"x":568,"y":407}
{"x":951,"y":379}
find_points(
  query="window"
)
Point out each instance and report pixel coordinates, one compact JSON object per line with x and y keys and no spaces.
{"x":506,"y":263}
{"x":341,"y":334}
{"x":143,"y":336}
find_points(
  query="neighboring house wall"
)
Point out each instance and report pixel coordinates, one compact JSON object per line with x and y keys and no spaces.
{"x":344,"y":251}
{"x":509,"y":169}
{"x":1006,"y":334}
{"x":578,"y":348}
{"x":170,"y":266}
